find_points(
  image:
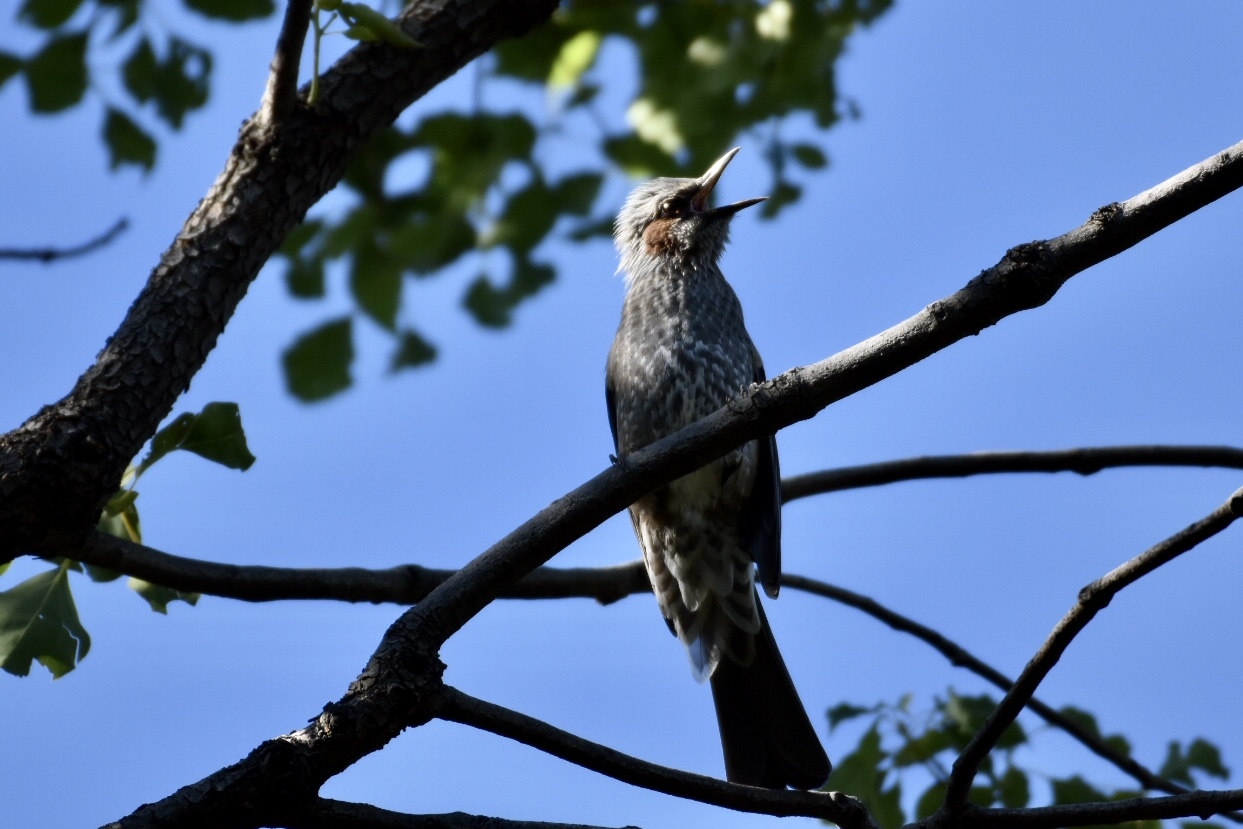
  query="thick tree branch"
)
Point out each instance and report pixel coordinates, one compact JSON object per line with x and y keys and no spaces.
{"x":396,"y":689}
{"x":50,"y":254}
{"x":281,"y":94}
{"x":842,"y":809}
{"x":337,"y":814}
{"x":58,"y":469}
{"x":1092,"y":599}
{"x":1193,"y":804}
{"x":1084,"y":461}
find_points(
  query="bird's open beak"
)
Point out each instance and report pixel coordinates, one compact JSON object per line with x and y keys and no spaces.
{"x":699,"y":202}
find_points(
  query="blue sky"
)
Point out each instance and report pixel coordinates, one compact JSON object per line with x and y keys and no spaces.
{"x":983,"y":126}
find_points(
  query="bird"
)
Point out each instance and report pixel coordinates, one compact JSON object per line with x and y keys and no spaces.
{"x":681,"y":352}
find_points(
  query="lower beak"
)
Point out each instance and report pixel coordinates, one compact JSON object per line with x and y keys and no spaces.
{"x":699,"y":202}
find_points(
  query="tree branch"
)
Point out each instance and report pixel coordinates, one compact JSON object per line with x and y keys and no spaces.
{"x":281,"y":94}
{"x":405,"y":584}
{"x":1084,"y":461}
{"x":960,"y":657}
{"x":1193,"y":804}
{"x":1092,"y":599}
{"x":842,"y":809}
{"x":397,"y":687}
{"x":337,"y":814}
{"x":50,"y":254}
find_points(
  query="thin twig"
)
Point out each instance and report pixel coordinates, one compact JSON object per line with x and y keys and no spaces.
{"x":960,"y":657}
{"x":1202,"y":804}
{"x":338,"y":814}
{"x":467,"y":710}
{"x":281,"y":92}
{"x":1092,"y":599}
{"x":1084,"y":461}
{"x":50,"y":254}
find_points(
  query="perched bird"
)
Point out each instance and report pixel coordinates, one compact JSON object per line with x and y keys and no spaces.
{"x":680,"y":353}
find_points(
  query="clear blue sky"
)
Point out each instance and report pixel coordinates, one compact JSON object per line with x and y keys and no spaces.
{"x":983,"y":126}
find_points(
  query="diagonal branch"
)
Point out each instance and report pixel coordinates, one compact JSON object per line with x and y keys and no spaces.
{"x":50,"y":254}
{"x":1084,"y":461}
{"x":1202,"y":804}
{"x":1092,"y":599}
{"x":397,"y":687}
{"x":839,"y":808}
{"x":960,"y":657}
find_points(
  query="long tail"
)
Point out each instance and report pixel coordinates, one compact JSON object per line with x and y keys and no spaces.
{"x":766,"y":736}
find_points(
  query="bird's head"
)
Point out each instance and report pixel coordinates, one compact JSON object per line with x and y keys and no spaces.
{"x":667,"y":222}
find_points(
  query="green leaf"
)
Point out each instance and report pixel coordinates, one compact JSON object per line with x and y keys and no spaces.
{"x":300,"y":236}
{"x":845,"y":711}
{"x":48,"y":14}
{"x":379,"y":26}
{"x":638,"y":158}
{"x":577,"y":193}
{"x":317,"y":365}
{"x":120,"y":517}
{"x":785,"y":193}
{"x":234,"y":10}
{"x":923,"y":748}
{"x":597,"y":229}
{"x":1081,"y":718}
{"x":1206,"y":757}
{"x":120,"y":502}
{"x":860,"y":774}
{"x":10,"y":65}
{"x":930,"y":801}
{"x":493,"y":307}
{"x":412,"y":350}
{"x":575,"y":57}
{"x":177,"y":84}
{"x":159,"y":597}
{"x":100,"y":574}
{"x":305,"y":278}
{"x":428,"y":241}
{"x":1176,"y":767}
{"x":1074,"y":790}
{"x":127,"y":142}
{"x":56,"y":76}
{"x":375,"y":282}
{"x":1013,"y":789}
{"x":809,"y":155}
{"x":215,"y":433}
{"x":38,"y":621}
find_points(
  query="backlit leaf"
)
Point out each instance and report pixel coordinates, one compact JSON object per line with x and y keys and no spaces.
{"x":317,"y":364}
{"x":56,"y":76}
{"x":39,"y":622}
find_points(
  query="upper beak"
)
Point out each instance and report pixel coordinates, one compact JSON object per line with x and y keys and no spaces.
{"x":699,"y":202}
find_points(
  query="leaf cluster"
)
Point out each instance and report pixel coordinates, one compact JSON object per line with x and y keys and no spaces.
{"x":162,"y":74}
{"x":707,"y":73}
{"x":901,"y":745}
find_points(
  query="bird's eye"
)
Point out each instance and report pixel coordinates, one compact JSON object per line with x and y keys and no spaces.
{"x":672,"y":208}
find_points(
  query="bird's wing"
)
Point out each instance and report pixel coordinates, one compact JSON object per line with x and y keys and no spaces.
{"x":761,"y":518}
{"x":610,"y":400}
